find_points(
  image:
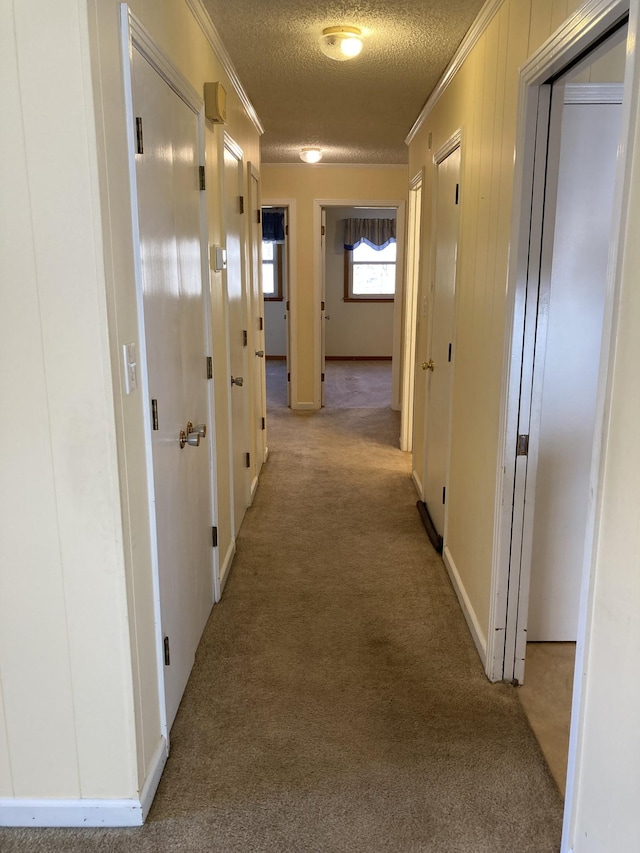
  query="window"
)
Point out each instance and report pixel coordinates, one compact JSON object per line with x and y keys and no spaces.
{"x":272,"y":271}
{"x":370,"y":274}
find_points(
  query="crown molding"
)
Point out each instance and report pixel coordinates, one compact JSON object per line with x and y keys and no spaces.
{"x":207,"y":26}
{"x":482,"y":21}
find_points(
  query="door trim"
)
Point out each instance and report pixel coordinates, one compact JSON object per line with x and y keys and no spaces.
{"x":412,"y":275}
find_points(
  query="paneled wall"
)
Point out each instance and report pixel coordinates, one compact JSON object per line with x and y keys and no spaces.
{"x":79,"y":701}
{"x":481,"y":101}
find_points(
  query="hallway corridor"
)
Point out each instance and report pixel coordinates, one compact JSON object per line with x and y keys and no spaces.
{"x":337,"y":702}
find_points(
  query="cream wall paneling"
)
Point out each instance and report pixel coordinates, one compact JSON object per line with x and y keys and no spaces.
{"x":318,"y":252}
{"x":290,"y":286}
{"x":507,"y":621}
{"x":410,"y":309}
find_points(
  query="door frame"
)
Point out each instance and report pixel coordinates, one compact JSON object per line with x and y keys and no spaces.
{"x":291,"y":332}
{"x":415,"y":222}
{"x":256,"y":312}
{"x":318,"y":205}
{"x":134,"y":36}
{"x":580,"y":34}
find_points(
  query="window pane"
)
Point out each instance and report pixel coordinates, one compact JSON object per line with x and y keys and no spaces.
{"x":366,"y":253}
{"x":268,"y":280}
{"x":267,"y":251}
{"x":374,"y":279}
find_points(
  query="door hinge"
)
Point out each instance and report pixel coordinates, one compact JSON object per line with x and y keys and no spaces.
{"x":167,"y":652}
{"x":322,"y":377}
{"x":322,"y":306}
{"x":260,"y":324}
{"x":450,"y":345}
{"x":139,"y":140}
{"x":322,"y":230}
{"x":444,"y":494}
{"x":259,"y":216}
{"x":244,"y":338}
{"x":263,"y":422}
{"x":202,"y":178}
{"x":457,"y":193}
{"x":241,"y":204}
{"x":209,"y":367}
{"x":288,"y":377}
{"x":287,"y":305}
{"x":286,"y":230}
{"x":522,"y":445}
{"x":247,"y":460}
{"x":214,"y":536}
{"x":154,"y":414}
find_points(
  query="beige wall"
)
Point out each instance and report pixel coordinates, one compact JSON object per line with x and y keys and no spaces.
{"x":79,"y":703}
{"x":305,"y":184}
{"x":481,"y":101}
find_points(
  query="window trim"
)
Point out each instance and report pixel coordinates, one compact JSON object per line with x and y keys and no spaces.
{"x":278,"y":296}
{"x":348,"y":295}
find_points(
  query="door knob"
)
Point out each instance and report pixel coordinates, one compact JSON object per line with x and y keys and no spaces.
{"x":428,"y":365}
{"x":260,"y":353}
{"x":327,"y":316}
{"x":198,"y":429}
{"x":192,"y":439}
{"x":237,"y":380}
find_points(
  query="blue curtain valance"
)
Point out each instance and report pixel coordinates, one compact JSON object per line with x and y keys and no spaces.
{"x":377,"y":233}
{"x":272,"y":226}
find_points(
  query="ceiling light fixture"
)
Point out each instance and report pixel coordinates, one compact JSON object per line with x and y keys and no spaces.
{"x":341,"y":43}
{"x":311,"y":155}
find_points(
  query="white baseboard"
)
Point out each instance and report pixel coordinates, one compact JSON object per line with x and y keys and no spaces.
{"x":305,"y":407}
{"x":226,"y":564}
{"x":417,"y":483}
{"x":152,"y":781}
{"x":266,"y":453}
{"x":23,"y":811}
{"x":254,"y":489}
{"x":469,"y":614}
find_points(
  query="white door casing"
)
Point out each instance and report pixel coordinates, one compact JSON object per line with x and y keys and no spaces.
{"x":324,"y":317}
{"x":410,"y":312}
{"x":236,"y":295}
{"x":438,"y":370}
{"x":169,"y":218}
{"x":568,"y":340}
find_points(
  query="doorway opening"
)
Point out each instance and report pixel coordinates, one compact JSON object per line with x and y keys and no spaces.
{"x":276,"y":288}
{"x":360,"y":298}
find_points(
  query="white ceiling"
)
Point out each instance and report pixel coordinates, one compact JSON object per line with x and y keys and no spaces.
{"x":358,"y":111}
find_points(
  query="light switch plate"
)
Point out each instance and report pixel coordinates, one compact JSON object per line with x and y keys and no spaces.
{"x":130,"y":367}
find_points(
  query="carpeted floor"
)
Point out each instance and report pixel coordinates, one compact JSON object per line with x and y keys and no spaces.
{"x":337,"y":702}
{"x":348,"y":384}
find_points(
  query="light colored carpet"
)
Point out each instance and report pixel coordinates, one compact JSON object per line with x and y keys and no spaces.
{"x":348,"y":384}
{"x":337,"y":702}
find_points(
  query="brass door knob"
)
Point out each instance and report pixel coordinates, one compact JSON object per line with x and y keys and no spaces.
{"x":428,"y":365}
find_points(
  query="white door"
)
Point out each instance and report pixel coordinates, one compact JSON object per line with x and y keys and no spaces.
{"x":174,"y":323}
{"x":439,"y":367}
{"x":257,"y":343}
{"x":236,"y":293}
{"x":572,"y":309}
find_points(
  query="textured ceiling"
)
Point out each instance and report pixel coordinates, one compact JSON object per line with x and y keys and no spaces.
{"x":358,"y":111}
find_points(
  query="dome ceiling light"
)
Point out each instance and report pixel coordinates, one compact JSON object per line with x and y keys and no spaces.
{"x":341,"y":43}
{"x":311,"y":155}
